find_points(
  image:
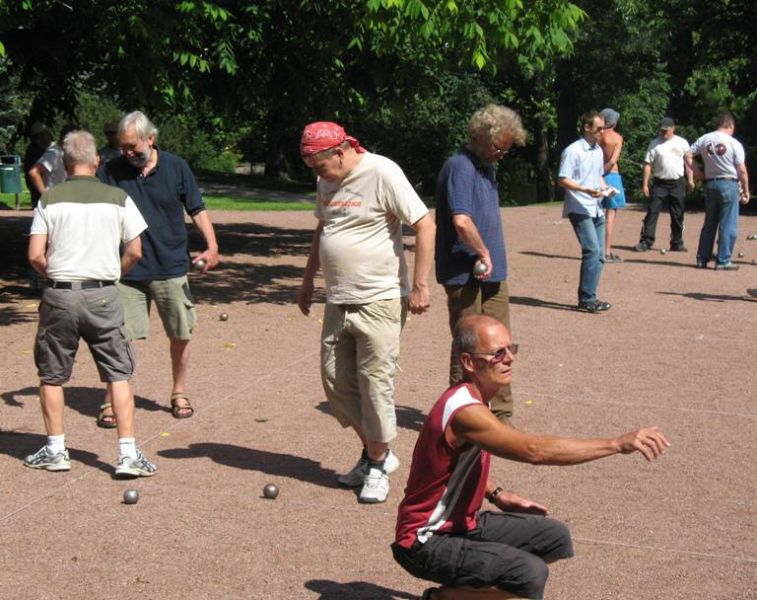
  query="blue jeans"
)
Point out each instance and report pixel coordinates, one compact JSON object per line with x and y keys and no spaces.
{"x":721,"y":213}
{"x":590,"y":232}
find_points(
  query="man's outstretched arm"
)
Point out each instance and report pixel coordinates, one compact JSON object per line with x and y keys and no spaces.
{"x":478,"y":426}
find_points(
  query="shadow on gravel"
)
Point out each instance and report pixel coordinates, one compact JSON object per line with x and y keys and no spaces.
{"x":407,"y":416}
{"x":84,"y":400}
{"x":545,"y":255}
{"x":525,"y":301}
{"x":710,"y":297}
{"x":272,"y":463}
{"x":20,"y":444}
{"x":355,"y":590}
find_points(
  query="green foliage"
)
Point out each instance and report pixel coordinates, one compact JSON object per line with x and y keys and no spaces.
{"x":420,"y":130}
{"x":236,"y":78}
{"x":203,"y":148}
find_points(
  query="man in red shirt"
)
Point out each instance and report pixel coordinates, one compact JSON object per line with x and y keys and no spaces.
{"x":440,"y":534}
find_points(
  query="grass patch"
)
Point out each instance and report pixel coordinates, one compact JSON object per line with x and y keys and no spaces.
{"x":226,"y":202}
{"x":9,"y":200}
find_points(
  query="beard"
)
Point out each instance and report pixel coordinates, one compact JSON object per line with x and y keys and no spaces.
{"x":140,"y":159}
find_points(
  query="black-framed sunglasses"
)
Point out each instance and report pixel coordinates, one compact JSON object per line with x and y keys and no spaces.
{"x":498,"y":355}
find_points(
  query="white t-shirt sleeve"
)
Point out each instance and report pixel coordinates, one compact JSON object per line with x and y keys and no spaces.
{"x":399,"y":197}
{"x":133,"y":221}
{"x":39,"y":222}
{"x":738,"y":153}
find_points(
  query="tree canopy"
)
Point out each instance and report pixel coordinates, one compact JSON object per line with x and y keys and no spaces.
{"x":246,"y":76}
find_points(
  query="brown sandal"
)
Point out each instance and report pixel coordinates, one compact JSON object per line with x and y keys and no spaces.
{"x":183,"y":410}
{"x":106,"y":421}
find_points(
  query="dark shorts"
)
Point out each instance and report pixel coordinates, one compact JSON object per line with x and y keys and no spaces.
{"x":94,"y":315}
{"x":508,"y":551}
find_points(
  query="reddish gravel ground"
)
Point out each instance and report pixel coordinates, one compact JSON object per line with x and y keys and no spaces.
{"x":677,"y":350}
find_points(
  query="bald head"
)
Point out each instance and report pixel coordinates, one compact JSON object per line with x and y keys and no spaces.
{"x":470,"y":329}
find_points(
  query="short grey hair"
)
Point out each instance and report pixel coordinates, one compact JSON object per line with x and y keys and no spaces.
{"x":464,"y":337}
{"x":143,"y":127}
{"x":493,"y":121}
{"x":79,"y":148}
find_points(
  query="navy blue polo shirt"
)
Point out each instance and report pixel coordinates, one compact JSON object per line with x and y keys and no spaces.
{"x":467,"y":186}
{"x":163,"y":196}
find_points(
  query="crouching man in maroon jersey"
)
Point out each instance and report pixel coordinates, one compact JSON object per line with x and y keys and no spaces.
{"x":441,"y":535}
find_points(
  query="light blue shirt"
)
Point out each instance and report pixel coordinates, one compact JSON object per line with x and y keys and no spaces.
{"x":584,"y":164}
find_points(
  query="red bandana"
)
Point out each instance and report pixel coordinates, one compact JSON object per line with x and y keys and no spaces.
{"x":322,"y":135}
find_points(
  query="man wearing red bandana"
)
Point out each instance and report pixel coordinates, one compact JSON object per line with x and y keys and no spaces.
{"x":362,"y":202}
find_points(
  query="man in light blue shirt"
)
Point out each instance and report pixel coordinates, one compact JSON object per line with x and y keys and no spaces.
{"x":580,"y":174}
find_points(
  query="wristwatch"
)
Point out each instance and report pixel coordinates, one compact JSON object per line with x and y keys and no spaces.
{"x":495,"y":492}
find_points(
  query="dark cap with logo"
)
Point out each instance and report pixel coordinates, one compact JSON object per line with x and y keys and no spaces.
{"x":667,"y":123}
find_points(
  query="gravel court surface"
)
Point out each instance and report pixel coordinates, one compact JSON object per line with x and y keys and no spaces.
{"x":676,"y":350}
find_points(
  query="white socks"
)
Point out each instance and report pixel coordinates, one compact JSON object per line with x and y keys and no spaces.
{"x":127,"y":447}
{"x":56,"y":443}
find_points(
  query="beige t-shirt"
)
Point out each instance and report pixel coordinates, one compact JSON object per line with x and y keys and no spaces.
{"x":361,"y":250}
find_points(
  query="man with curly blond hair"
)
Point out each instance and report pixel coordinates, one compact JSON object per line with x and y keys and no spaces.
{"x":469,"y":228}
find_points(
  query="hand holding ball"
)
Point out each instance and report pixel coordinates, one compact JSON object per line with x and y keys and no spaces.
{"x":479,"y":268}
{"x":199,"y":265}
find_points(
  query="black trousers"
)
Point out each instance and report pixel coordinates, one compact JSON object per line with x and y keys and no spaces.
{"x":672,"y":191}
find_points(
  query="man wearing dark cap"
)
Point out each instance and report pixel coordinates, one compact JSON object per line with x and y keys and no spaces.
{"x":612,"y":146}
{"x":362,"y":202}
{"x":664,"y":163}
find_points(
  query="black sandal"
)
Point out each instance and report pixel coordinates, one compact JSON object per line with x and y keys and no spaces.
{"x":106,"y":421}
{"x":181,"y":411}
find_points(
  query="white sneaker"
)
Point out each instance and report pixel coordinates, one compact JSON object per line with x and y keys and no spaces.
{"x":375,"y":487}
{"x":135,"y":467}
{"x":356,"y":476}
{"x":42,"y":459}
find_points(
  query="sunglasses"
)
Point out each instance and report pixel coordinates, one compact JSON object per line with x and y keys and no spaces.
{"x":498,"y":355}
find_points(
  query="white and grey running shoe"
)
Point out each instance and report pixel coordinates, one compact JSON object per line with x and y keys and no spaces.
{"x":135,"y":467}
{"x":42,"y":459}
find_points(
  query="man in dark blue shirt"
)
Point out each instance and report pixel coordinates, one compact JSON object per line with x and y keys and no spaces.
{"x":164,"y":189}
{"x":469,"y":229}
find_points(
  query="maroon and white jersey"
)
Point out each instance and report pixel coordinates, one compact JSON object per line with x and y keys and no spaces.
{"x":446,"y":485}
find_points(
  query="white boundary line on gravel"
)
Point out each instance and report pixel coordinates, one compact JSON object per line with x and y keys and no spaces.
{"x":731,"y":557}
{"x":147,"y":440}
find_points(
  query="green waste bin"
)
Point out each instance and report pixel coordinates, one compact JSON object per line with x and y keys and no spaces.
{"x":10,"y":174}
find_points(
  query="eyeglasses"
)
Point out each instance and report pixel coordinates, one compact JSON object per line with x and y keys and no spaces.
{"x":500,"y":150}
{"x":499,"y":355}
{"x":312,"y":159}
